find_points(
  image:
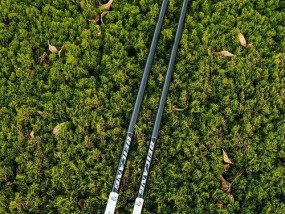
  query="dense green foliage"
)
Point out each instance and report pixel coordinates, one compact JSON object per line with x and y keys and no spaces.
{"x":231,"y":103}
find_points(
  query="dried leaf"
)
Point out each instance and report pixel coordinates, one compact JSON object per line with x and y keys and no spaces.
{"x":220,"y":204}
{"x":249,"y":45}
{"x":106,"y":6}
{"x":225,"y":185}
{"x":178,"y":109}
{"x":242,"y":40}
{"x":226,"y":167}
{"x":41,"y":113}
{"x":96,"y":18}
{"x":32,"y":134}
{"x":231,"y":197}
{"x":103,"y":14}
{"x":43,"y":59}
{"x":223,"y":53}
{"x":58,"y":128}
{"x":226,"y":158}
{"x":52,"y":48}
{"x":63,"y":47}
{"x":81,"y":203}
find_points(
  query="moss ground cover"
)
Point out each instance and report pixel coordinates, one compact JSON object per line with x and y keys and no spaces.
{"x":215,"y":102}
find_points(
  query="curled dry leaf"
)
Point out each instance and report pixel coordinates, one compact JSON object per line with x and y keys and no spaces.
{"x":242,"y":40}
{"x":81,"y":203}
{"x":40,"y":113}
{"x":32,"y":134}
{"x":178,"y":109}
{"x":97,"y":17}
{"x":224,"y":53}
{"x":103,"y":14}
{"x":58,"y":128}
{"x":52,"y":48}
{"x":226,"y":158}
{"x":106,"y":6}
{"x":226,"y":167}
{"x":225,"y":185}
{"x":220,"y":204}
{"x":249,"y":45}
{"x":43,"y":59}
{"x":63,"y":47}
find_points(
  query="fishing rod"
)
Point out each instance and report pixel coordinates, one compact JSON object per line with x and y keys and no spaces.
{"x":139,"y":200}
{"x":113,"y":197}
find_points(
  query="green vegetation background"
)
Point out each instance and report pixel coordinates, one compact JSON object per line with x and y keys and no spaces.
{"x":235,"y":104}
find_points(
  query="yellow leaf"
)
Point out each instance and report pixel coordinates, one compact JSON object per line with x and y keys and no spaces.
{"x":32,"y":134}
{"x":52,"y":48}
{"x":223,"y":53}
{"x":225,"y":185}
{"x":242,"y":40}
{"x":220,"y":204}
{"x":106,"y":6}
{"x":226,"y":167}
{"x":226,"y":158}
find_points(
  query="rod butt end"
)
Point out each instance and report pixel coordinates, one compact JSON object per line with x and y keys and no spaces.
{"x":112,"y":201}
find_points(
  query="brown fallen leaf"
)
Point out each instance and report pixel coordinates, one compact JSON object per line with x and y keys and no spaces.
{"x":249,"y":45}
{"x":106,"y":6}
{"x":40,"y":113}
{"x":63,"y":47}
{"x":58,"y":128}
{"x":32,"y":134}
{"x":242,"y":40}
{"x":43,"y":59}
{"x":178,"y":109}
{"x":226,"y":167}
{"x":225,"y":185}
{"x":97,"y":17}
{"x":224,"y":53}
{"x":226,"y":158}
{"x":102,"y":15}
{"x":220,"y":204}
{"x":81,"y":203}
{"x":52,"y":48}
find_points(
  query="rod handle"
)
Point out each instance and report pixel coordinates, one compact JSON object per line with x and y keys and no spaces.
{"x":112,"y":201}
{"x":138,"y":206}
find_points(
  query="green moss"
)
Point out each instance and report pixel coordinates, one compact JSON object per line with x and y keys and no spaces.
{"x":235,"y":104}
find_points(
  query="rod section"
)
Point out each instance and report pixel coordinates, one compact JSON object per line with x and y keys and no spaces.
{"x":139,"y":200}
{"x":113,"y":197}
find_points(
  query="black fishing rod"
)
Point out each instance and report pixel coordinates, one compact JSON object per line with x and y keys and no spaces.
{"x":139,"y":200}
{"x":113,"y":197}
